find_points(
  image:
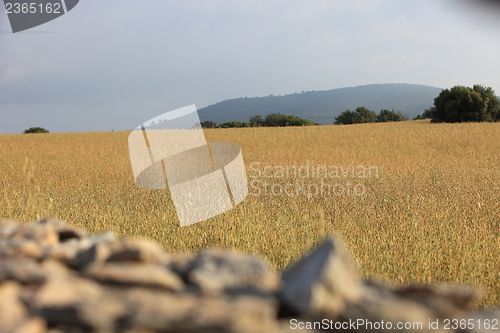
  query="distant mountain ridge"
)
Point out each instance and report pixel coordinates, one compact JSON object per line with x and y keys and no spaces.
{"x":323,"y":106}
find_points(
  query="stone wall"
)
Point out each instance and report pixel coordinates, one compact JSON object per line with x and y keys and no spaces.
{"x":55,"y":277}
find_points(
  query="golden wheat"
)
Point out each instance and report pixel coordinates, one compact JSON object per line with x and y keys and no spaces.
{"x":429,"y":212}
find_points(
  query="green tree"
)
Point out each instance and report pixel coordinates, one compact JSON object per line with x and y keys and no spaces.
{"x":256,"y":121}
{"x":297,"y":121}
{"x":208,"y":124}
{"x":426,"y":114}
{"x":233,"y":124}
{"x":275,"y":120}
{"x":358,"y":116}
{"x":386,"y":115}
{"x":35,"y":130}
{"x":464,"y":104}
{"x":492,"y":100}
{"x":346,"y":118}
{"x":281,"y":120}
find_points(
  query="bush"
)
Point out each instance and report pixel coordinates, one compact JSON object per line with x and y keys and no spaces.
{"x":271,"y":120}
{"x":426,"y":114}
{"x":358,"y":116}
{"x":208,"y":124}
{"x":386,"y":115}
{"x":233,"y":124}
{"x":35,"y":130}
{"x":279,"y":120}
{"x":256,"y":121}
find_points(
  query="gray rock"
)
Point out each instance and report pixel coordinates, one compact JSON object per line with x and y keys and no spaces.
{"x":18,"y":248}
{"x":137,"y":250}
{"x":12,"y":312}
{"x":63,"y":229}
{"x":73,"y":301}
{"x":414,"y":304}
{"x":99,"y":251}
{"x":139,"y":274}
{"x":7,"y":228}
{"x":43,"y":233}
{"x":378,"y":304}
{"x":31,"y":325}
{"x":166,"y":312}
{"x":93,"y":249}
{"x":448,"y":301}
{"x":54,"y":275}
{"x":217,"y":270}
{"x":322,"y":283}
{"x":180,"y":263}
{"x":23,"y":270}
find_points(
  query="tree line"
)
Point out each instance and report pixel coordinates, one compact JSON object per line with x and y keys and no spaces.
{"x":363,"y":115}
{"x":271,"y":120}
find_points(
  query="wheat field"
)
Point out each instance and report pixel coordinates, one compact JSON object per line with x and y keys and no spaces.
{"x":414,"y":202}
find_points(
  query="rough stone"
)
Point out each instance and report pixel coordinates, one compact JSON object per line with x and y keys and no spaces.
{"x":7,"y":228}
{"x":194,"y":313}
{"x":135,"y":274}
{"x":378,"y":304}
{"x":79,"y":302}
{"x":45,"y":234}
{"x":217,"y":270}
{"x":12,"y":312}
{"x":442,"y":296}
{"x":63,"y":229}
{"x":54,"y":276}
{"x":94,"y":249}
{"x":23,"y":270}
{"x":16,"y":248}
{"x":180,"y":263}
{"x":137,"y":250}
{"x":31,"y":325}
{"x":321,"y":284}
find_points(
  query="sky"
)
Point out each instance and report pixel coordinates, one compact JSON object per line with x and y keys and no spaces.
{"x":111,"y":65}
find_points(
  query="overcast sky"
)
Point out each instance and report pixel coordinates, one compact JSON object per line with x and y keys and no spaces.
{"x":114,"y":64}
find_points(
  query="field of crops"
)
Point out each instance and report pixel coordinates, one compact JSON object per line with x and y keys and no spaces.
{"x":413,"y":201}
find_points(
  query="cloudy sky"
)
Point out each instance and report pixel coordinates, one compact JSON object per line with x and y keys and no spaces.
{"x":116,"y":63}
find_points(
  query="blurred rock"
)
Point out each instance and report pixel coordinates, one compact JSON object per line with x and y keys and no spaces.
{"x":79,"y":302}
{"x":135,"y":274}
{"x":17,"y":248}
{"x":180,"y":263}
{"x":446,"y":301}
{"x":23,"y":270}
{"x":54,"y":278}
{"x":320,"y":284}
{"x":137,"y":250}
{"x":216,"y":270}
{"x":7,"y":228}
{"x":64,"y":230}
{"x":43,"y":233}
{"x":96,"y":253}
{"x":165,"y":312}
{"x":12,"y":311}
{"x":378,"y":304}
{"x":31,"y":325}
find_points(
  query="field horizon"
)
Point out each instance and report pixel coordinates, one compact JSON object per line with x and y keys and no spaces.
{"x":414,"y":202}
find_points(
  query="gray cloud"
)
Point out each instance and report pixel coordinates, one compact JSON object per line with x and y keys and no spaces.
{"x":113,"y":64}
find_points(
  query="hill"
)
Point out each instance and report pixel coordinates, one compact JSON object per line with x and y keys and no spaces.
{"x":323,"y":106}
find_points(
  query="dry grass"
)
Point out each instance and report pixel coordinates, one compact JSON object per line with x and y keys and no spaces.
{"x":431,"y":215}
